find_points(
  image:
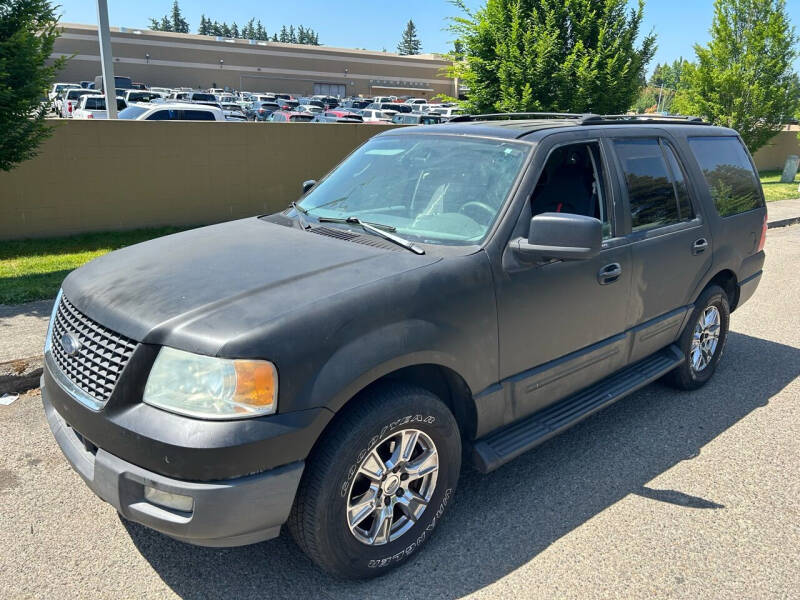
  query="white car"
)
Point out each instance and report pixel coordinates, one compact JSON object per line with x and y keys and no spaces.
{"x":447,"y":113}
{"x":174,"y":111}
{"x":226,"y":99}
{"x":69,"y":100}
{"x":57,"y":88}
{"x":377,"y":116}
{"x":132,"y":96}
{"x":92,"y":106}
{"x":416,"y":101}
{"x":161,"y":90}
{"x":311,"y":109}
{"x":233,"y":112}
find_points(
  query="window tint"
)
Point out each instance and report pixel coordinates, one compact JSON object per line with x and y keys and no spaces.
{"x":163,"y":115}
{"x":650,"y":190}
{"x":729,"y":174}
{"x":198,"y":115}
{"x":685,"y":210}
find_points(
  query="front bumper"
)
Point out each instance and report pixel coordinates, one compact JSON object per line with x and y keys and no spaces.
{"x":232,"y":512}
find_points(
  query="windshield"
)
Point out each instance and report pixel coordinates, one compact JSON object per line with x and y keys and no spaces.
{"x":434,"y":189}
{"x":132,"y":112}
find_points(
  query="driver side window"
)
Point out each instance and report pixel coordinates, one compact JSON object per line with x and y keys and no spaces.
{"x":573,"y":181}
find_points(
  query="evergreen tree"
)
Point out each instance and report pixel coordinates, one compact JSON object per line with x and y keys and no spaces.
{"x":301,"y":35}
{"x":284,"y":34}
{"x":216,"y":29}
{"x":409,"y":43}
{"x":165,"y":25}
{"x":292,"y":35}
{"x":551,"y":55}
{"x":179,"y":24}
{"x":249,"y":31}
{"x":226,"y":30}
{"x":203,"y":28}
{"x":234,"y":30}
{"x":744,"y":77}
{"x":274,"y":37}
{"x":28,"y":31}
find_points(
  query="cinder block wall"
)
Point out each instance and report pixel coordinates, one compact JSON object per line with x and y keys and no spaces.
{"x":116,"y":175}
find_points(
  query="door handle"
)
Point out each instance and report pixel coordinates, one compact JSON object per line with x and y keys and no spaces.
{"x":699,"y":246}
{"x":609,"y":274}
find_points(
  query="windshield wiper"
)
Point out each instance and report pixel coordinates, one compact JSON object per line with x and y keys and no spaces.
{"x":300,"y":212}
{"x":377,"y":229}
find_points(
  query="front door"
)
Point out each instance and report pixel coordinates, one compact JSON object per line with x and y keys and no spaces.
{"x":561,"y":323}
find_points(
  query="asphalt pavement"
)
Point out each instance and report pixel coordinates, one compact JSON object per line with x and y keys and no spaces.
{"x":663,"y":495}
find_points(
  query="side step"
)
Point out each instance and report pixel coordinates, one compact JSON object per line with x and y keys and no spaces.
{"x":502,"y":446}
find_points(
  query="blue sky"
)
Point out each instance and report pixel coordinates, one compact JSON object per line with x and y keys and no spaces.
{"x":377,"y":25}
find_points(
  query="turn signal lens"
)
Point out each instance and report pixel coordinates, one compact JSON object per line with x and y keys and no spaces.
{"x":763,"y":239}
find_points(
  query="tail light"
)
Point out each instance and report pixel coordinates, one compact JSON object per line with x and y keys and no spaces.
{"x":90,"y":116}
{"x":69,"y":106}
{"x":261,"y":111}
{"x":763,"y":239}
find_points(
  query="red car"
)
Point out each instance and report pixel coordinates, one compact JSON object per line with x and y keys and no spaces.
{"x":285,"y":116}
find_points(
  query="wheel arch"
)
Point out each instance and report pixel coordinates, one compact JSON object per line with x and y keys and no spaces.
{"x":727,"y":280}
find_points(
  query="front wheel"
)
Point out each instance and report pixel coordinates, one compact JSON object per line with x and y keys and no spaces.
{"x":379,"y":482}
{"x":703,"y":340}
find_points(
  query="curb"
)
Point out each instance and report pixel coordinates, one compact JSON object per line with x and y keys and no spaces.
{"x":21,"y":375}
{"x":783,"y":222}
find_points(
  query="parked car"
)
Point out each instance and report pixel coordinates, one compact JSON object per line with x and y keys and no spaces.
{"x":415,"y":101}
{"x":227,"y":99}
{"x":93,"y":106}
{"x":338,"y":116}
{"x":161,"y":90}
{"x":312,"y":102}
{"x":447,"y":113}
{"x":55,"y":94}
{"x":120,"y":82}
{"x":289,"y":105}
{"x":132,"y":96}
{"x":401,"y":108}
{"x":69,"y":101}
{"x":417,"y":119}
{"x":356,"y":103}
{"x":469,"y":290}
{"x":175,"y":111}
{"x":286,"y":116}
{"x":370,"y":115}
{"x":328,"y":102}
{"x":310,"y":109}
{"x":233,"y":112}
{"x":383,"y":99}
{"x":260,"y":111}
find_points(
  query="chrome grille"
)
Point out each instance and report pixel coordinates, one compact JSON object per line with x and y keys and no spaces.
{"x":102,"y":354}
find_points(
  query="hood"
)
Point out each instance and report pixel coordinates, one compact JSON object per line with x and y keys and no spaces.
{"x":199,"y":289}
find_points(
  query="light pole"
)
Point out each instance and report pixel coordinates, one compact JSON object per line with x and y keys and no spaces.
{"x":147,"y":57}
{"x":106,"y":60}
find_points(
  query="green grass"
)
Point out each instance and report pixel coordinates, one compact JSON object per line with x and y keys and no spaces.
{"x":774,"y":189}
{"x":34,"y":269}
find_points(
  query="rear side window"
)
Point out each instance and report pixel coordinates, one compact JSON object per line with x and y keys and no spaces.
{"x":198,"y":115}
{"x":729,"y":174}
{"x":651,"y":193}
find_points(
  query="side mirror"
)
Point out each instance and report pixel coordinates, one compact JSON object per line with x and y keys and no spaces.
{"x":560,"y":236}
{"x":307,"y":185}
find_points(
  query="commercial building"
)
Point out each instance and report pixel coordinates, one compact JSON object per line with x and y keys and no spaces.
{"x":176,"y":60}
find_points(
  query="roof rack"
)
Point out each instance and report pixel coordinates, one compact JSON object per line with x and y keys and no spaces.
{"x":519,"y":115}
{"x":642,"y":119}
{"x":586,"y":118}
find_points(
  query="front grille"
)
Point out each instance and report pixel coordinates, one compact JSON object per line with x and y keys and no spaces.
{"x":102,"y":354}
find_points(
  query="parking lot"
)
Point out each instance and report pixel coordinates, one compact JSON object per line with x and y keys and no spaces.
{"x":664,"y":494}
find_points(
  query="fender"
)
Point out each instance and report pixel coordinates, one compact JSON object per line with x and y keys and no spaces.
{"x":367,"y":358}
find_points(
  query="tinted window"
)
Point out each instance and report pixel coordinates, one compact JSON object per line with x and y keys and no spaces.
{"x":198,"y":115}
{"x":302,"y":118}
{"x":729,"y":174}
{"x":685,"y":211}
{"x":98,"y":103}
{"x":164,"y":115}
{"x":204,"y":97}
{"x":650,"y":190}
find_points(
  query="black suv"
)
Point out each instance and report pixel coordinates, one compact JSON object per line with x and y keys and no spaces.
{"x":480,"y":285}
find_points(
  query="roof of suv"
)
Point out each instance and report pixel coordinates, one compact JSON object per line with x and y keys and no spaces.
{"x":519,"y":125}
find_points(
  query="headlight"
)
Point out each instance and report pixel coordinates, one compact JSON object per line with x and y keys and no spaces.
{"x":211,"y":388}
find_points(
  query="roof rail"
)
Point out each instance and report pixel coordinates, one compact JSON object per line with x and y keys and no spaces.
{"x":520,"y":115}
{"x":642,"y":119}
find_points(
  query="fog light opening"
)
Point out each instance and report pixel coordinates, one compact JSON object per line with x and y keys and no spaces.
{"x":168,"y":499}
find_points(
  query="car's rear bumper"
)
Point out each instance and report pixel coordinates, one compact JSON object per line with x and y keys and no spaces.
{"x":230,"y":512}
{"x":748,"y":287}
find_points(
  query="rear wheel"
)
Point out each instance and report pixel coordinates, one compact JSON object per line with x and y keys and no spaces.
{"x":378,"y":484}
{"x":703,"y":340}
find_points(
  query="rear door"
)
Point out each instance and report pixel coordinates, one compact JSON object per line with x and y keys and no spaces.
{"x":669,"y":237}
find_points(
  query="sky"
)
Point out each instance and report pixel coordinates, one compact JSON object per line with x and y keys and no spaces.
{"x":679,"y":24}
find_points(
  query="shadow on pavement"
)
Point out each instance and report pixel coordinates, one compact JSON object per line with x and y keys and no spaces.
{"x":501,"y":521}
{"x":38,"y":308}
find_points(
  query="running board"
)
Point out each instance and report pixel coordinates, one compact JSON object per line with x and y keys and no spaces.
{"x":502,"y":446}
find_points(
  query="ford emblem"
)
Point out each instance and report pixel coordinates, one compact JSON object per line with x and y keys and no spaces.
{"x":70,"y":343}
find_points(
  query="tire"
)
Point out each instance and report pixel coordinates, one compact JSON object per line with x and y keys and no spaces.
{"x":690,"y":375}
{"x":385,"y":419}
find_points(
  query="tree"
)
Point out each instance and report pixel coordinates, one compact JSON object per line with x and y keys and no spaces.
{"x":744,"y":77}
{"x":409,"y":42}
{"x":204,"y":28}
{"x":28,"y":30}
{"x":179,"y":24}
{"x":551,"y":55}
{"x":284,"y":34}
{"x":166,"y":24}
{"x":234,"y":30}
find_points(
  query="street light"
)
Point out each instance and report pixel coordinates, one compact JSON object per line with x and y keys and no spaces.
{"x":147,"y":57}
{"x":221,"y":62}
{"x":104,"y":33}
